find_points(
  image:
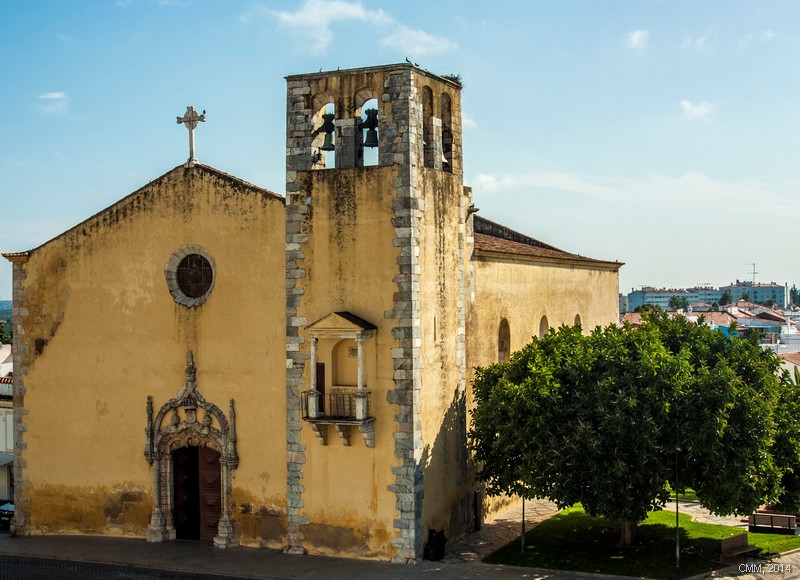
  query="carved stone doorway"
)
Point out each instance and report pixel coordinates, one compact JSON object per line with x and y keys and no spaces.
{"x":197,"y":488}
{"x":192,"y":461}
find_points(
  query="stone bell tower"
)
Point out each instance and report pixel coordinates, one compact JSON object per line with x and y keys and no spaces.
{"x":377,"y":246}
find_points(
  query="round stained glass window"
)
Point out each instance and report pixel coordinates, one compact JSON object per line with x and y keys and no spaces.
{"x":190,"y":275}
{"x":194,"y":275}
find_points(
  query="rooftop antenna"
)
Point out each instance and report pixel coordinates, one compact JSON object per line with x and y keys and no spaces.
{"x":754,"y":272}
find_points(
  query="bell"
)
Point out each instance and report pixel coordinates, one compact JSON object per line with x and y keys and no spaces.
{"x":444,"y":160}
{"x":371,"y":139}
{"x":371,"y":125}
{"x":328,"y":128}
{"x":327,"y":143}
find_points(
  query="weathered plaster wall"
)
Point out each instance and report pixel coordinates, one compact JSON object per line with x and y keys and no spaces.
{"x":354,"y":240}
{"x":521,"y":291}
{"x":349,"y":264}
{"x":101,"y":332}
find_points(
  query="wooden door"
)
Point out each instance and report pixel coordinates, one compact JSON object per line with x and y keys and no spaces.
{"x":210,"y":492}
{"x":197,"y":489}
{"x":186,"y":516}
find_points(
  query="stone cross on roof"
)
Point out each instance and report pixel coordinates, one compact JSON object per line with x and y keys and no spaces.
{"x":190,"y":120}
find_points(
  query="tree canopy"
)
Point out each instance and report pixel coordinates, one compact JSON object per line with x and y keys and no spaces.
{"x":676,"y":302}
{"x":605,"y":419}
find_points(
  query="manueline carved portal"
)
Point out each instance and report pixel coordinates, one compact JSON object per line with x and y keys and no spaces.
{"x":183,"y":447}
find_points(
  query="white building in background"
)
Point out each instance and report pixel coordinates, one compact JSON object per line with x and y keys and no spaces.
{"x":6,"y":439}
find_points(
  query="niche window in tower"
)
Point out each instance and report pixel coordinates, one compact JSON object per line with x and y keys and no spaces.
{"x":428,"y":137}
{"x":324,"y":145}
{"x":447,"y":134}
{"x":369,"y":133}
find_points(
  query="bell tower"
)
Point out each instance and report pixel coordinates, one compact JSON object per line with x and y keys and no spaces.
{"x":377,"y":232}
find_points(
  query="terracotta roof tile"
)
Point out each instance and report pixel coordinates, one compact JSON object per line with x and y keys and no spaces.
{"x":493,"y":237}
{"x":792,"y":357}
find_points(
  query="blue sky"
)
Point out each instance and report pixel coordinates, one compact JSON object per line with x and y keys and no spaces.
{"x":664,"y":134}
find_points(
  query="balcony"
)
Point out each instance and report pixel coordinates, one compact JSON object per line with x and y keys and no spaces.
{"x":341,"y":407}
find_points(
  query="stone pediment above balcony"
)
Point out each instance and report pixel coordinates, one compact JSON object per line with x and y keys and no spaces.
{"x":341,"y":325}
{"x":342,"y":407}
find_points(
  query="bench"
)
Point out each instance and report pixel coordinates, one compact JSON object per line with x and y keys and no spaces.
{"x":773,"y":524}
{"x":733,"y":548}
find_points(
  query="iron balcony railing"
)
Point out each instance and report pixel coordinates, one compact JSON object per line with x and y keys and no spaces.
{"x":337,"y":403}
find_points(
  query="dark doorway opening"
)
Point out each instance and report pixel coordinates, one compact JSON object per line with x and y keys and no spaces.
{"x":197,"y":488}
{"x":321,"y":386}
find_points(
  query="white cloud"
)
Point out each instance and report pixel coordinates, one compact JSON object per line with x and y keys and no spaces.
{"x":769,"y":34}
{"x":545,"y":180}
{"x":637,"y":40}
{"x":468,"y":121}
{"x":414,"y":42}
{"x":695,"y":43}
{"x":696,"y":110}
{"x":689,"y":190}
{"x":315,"y":17}
{"x":54,"y":103}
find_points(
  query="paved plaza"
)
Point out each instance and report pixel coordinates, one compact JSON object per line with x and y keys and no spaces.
{"x":133,"y":558}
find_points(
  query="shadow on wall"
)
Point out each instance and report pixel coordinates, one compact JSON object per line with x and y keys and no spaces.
{"x":448,"y":502}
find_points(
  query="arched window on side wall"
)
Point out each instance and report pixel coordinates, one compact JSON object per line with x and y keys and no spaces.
{"x":577,"y":320}
{"x":427,"y":126}
{"x":503,"y":342}
{"x":447,"y":133}
{"x":370,"y":133}
{"x":543,"y":327}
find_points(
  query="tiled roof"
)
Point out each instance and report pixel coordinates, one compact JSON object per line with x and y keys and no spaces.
{"x":792,"y":357}
{"x":493,"y":237}
{"x":492,"y":244}
{"x":717,"y":318}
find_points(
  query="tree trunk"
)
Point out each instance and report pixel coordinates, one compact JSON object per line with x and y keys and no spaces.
{"x":628,"y":533}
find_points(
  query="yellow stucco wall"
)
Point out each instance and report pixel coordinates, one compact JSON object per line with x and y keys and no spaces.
{"x":350,"y":263}
{"x":522,"y":290}
{"x":103,"y":333}
{"x":441,"y":397}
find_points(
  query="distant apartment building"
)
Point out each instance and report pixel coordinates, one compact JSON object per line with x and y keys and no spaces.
{"x":769,"y":294}
{"x":775,"y":294}
{"x":661,"y":296}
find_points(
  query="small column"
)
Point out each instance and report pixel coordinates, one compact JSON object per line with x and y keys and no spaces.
{"x":361,"y":395}
{"x":168,"y":495}
{"x":157,"y":531}
{"x":313,"y":394}
{"x":360,"y":343}
{"x":226,"y":536}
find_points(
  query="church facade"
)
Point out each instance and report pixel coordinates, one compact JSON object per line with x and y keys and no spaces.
{"x":206,"y":359}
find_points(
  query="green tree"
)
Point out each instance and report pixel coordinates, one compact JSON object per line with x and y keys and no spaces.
{"x":727,"y":298}
{"x":5,"y":333}
{"x":603,"y":420}
{"x":746,"y":296}
{"x":676,"y":302}
{"x":648,"y":308}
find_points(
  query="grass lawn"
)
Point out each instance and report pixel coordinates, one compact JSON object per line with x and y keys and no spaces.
{"x":687,"y":495}
{"x":571,"y":540}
